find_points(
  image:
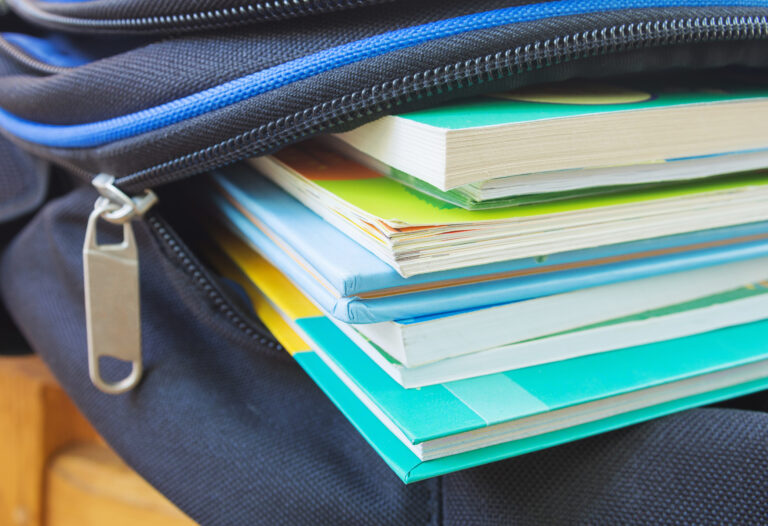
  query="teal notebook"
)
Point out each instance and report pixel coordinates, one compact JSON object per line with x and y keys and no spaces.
{"x":437,"y":411}
{"x":410,"y":468}
{"x":466,"y":405}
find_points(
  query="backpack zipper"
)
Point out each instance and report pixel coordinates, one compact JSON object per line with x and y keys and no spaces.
{"x":257,"y":11}
{"x":203,"y":280}
{"x":111,"y":285}
{"x":383,"y":98}
{"x":111,"y":282}
{"x":27,"y":60}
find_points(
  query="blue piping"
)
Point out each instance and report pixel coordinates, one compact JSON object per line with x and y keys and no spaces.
{"x":98,"y":133}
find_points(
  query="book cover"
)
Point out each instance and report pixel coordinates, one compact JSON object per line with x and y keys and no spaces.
{"x":569,"y":184}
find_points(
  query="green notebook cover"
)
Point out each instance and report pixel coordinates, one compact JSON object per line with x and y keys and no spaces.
{"x":576,"y":124}
{"x":460,"y":198}
{"x":569,"y":99}
{"x":442,"y":410}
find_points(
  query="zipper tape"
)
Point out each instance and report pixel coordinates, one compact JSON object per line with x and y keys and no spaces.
{"x":272,"y":10}
{"x":12,"y":49}
{"x":99,"y":133}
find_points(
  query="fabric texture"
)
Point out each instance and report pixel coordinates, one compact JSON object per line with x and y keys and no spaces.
{"x":705,"y":466}
{"x":23,"y":187}
{"x":234,"y":432}
{"x":241,"y":420}
{"x":23,"y":182}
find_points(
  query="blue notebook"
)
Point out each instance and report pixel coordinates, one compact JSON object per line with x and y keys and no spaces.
{"x":355,"y":286}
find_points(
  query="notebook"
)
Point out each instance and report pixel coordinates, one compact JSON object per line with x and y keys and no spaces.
{"x":571,"y":125}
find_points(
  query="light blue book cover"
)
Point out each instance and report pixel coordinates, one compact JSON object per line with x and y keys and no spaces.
{"x":356,"y":287}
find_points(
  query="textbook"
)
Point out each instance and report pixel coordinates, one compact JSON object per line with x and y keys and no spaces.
{"x":439,"y":429}
{"x":571,"y":125}
{"x":426,"y":361}
{"x":557,"y":185}
{"x":416,"y":233}
{"x":354,"y":286}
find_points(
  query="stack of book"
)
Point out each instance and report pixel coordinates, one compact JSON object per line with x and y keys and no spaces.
{"x":511,"y":272}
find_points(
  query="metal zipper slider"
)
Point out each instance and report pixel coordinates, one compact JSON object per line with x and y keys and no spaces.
{"x":111,"y":275}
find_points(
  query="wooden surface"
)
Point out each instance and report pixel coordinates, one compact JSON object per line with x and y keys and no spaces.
{"x":54,"y":468}
{"x":106,"y":492}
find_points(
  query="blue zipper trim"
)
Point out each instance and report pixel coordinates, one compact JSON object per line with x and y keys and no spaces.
{"x":232,"y":92}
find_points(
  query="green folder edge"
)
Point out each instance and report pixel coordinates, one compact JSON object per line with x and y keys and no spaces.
{"x":410,"y":468}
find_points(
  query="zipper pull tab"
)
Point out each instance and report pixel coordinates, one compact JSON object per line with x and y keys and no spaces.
{"x":111,"y":272}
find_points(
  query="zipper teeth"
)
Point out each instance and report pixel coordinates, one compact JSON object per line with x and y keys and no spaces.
{"x":266,"y":11}
{"x":26,"y":59}
{"x":194,"y":270}
{"x":384,"y":97}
